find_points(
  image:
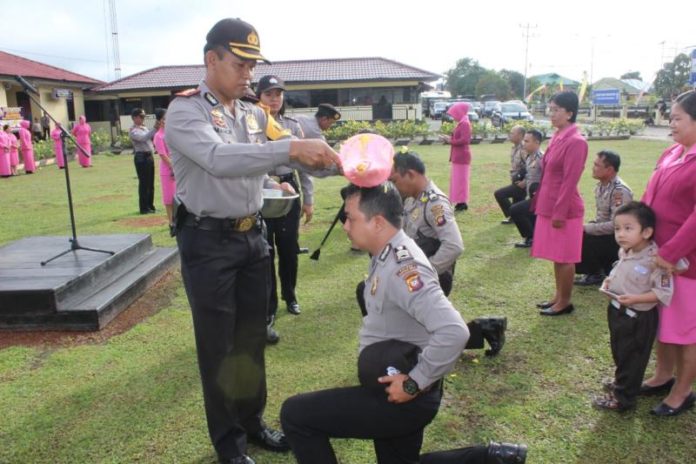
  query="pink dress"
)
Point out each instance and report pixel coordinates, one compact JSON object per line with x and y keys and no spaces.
{"x":58,"y":147}
{"x":14,"y":149}
{"x":5,"y":170}
{"x":671,"y":192}
{"x":558,"y":198}
{"x":27,"y":147}
{"x":82,"y":132}
{"x":460,"y":154}
{"x":166,"y":173}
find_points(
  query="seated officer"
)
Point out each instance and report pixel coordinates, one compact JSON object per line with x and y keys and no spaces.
{"x":510,"y":194}
{"x":599,"y":248}
{"x":429,"y":220}
{"x":520,"y":212}
{"x":314,"y":127}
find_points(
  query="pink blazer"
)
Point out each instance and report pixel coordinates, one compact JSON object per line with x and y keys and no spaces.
{"x":671,"y":192}
{"x":558,"y":197}
{"x":460,"y":153}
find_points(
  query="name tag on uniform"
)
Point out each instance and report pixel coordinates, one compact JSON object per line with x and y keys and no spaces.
{"x":252,"y":124}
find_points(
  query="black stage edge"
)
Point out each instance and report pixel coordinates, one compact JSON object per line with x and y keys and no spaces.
{"x":80,"y":290}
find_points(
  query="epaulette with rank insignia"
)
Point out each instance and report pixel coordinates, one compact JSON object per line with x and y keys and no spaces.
{"x":188,"y":92}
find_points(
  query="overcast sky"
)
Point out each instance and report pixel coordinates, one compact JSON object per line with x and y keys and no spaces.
{"x":602,"y":38}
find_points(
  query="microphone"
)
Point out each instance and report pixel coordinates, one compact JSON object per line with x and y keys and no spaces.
{"x":27,"y":86}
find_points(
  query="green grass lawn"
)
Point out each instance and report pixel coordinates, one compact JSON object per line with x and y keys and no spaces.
{"x":137,"y":396}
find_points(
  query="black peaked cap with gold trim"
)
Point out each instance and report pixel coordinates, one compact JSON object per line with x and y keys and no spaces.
{"x":238,"y":37}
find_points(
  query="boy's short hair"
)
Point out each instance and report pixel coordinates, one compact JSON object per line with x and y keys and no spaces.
{"x":642,"y":212}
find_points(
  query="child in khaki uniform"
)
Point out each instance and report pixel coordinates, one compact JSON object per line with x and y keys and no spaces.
{"x":635,"y":287}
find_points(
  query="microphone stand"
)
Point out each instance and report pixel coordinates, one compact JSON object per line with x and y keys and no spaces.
{"x":74,"y":244}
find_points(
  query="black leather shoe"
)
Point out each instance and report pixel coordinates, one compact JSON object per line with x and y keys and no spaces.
{"x":647,"y":390}
{"x":238,"y":460}
{"x":545,"y":304}
{"x":506,"y":453}
{"x":589,"y":280}
{"x":294,"y":308}
{"x":550,"y":312}
{"x":527,"y":243}
{"x":461,"y":207}
{"x":272,"y":440}
{"x":662,"y":410}
{"x":493,"y":330}
{"x":507,"y":221}
{"x":272,"y":336}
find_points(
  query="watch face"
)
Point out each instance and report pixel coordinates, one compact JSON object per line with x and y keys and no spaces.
{"x":410,"y":386}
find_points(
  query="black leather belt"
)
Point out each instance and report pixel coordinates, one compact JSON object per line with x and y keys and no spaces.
{"x":242,"y":224}
{"x":148,"y":153}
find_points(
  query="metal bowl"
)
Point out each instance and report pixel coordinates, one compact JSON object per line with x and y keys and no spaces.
{"x":277,"y":203}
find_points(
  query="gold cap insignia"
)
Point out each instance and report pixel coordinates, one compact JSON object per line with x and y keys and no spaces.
{"x":252,"y":38}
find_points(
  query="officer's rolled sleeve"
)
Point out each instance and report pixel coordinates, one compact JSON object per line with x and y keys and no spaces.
{"x":445,"y":227}
{"x":189,"y":133}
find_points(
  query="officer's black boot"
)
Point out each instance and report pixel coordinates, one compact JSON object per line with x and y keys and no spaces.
{"x":506,"y":453}
{"x":493,"y":329}
{"x":272,"y":336}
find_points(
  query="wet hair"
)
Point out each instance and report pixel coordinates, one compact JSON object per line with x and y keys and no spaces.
{"x":568,"y":101}
{"x":160,"y":113}
{"x":687,"y":102}
{"x":403,"y":162}
{"x":639,"y":210}
{"x":610,"y":158}
{"x":383,"y":200}
{"x":536,"y":135}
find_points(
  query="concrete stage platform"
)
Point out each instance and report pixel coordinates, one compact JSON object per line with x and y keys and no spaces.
{"x":81,"y":290}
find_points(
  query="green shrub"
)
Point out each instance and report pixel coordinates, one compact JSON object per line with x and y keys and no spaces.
{"x":43,"y":149}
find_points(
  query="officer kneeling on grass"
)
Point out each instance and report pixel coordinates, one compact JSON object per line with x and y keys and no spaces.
{"x":410,"y":339}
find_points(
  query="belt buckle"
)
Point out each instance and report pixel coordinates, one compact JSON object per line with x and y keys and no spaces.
{"x":245,"y":224}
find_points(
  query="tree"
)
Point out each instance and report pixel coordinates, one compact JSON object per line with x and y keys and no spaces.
{"x":462,"y":79}
{"x":515,"y":81}
{"x":632,"y":75}
{"x":673,"y":78}
{"x":492,"y":83}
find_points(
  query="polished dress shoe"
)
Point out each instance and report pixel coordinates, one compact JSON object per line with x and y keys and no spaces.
{"x":272,"y":336}
{"x":507,"y":221}
{"x":294,"y":308}
{"x":506,"y":453}
{"x":527,"y":243}
{"x":272,"y":440}
{"x":647,"y":390}
{"x":610,"y":403}
{"x":589,"y":280}
{"x":663,"y":410}
{"x":238,"y":460}
{"x":545,"y":304}
{"x":550,"y":312}
{"x":461,"y":207}
{"x":493,"y":331}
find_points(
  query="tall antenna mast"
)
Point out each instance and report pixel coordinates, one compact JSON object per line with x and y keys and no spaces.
{"x":114,"y":39}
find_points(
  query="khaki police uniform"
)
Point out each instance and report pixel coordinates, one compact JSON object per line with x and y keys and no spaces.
{"x":599,"y":248}
{"x":404,"y":302}
{"x":310,"y":127}
{"x":507,"y":196}
{"x":221,"y":160}
{"x":632,"y":329}
{"x":521,"y":212}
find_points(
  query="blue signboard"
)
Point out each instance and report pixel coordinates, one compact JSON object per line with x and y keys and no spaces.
{"x":606,"y":97}
{"x":693,"y":67}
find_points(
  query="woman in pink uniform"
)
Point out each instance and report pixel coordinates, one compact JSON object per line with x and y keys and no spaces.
{"x":14,"y":149}
{"x":166,"y":171}
{"x":82,"y":132}
{"x":460,"y":156}
{"x":558,"y":204}
{"x":671,"y":192}
{"x":58,"y":145}
{"x":5,"y":170}
{"x":26,"y":147}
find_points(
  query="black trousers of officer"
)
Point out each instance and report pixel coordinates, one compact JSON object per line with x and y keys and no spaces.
{"x":145,"y":168}
{"x":599,"y":252}
{"x":508,"y":195}
{"x":309,"y":420}
{"x":523,"y":217}
{"x":283,"y":233}
{"x":631,"y":340}
{"x":226,"y":278}
{"x":470,"y":455}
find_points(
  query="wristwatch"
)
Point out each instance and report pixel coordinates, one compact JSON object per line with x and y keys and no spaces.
{"x":410,"y":386}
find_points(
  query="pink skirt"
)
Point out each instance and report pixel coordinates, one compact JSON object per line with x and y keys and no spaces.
{"x":563,"y":245}
{"x":14,"y":158}
{"x":168,"y":189}
{"x":459,"y":183}
{"x":678,"y":320}
{"x":85,"y":161}
{"x":5,"y":169}
{"x":28,"y":158}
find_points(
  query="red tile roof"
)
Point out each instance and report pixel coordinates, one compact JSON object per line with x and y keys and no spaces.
{"x":292,"y":72}
{"x":13,"y":65}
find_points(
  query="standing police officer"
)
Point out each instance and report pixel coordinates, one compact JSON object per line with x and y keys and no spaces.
{"x":141,"y":137}
{"x":325,"y":117}
{"x":220,"y":157}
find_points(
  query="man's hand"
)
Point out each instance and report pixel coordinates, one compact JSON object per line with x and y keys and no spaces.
{"x":308,"y":212}
{"x":521,"y":184}
{"x":285,"y":187}
{"x":395,"y":388}
{"x":313,"y":153}
{"x":666,"y":265}
{"x":628,"y":300}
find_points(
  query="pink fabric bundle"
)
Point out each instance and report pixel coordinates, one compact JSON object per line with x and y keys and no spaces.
{"x":367,"y":159}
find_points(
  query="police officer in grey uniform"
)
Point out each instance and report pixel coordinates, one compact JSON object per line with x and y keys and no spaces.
{"x":429,"y":220}
{"x":221,"y":158}
{"x":510,"y":194}
{"x":314,"y":126}
{"x":520,"y":212}
{"x":599,"y":248}
{"x":405,"y":302}
{"x":141,"y":137}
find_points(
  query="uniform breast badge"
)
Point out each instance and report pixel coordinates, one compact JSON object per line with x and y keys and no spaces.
{"x":252,"y":124}
{"x":375,"y":283}
{"x":218,"y":117}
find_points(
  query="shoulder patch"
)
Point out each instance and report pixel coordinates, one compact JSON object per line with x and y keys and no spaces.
{"x":413,"y":282}
{"x":402,"y":254}
{"x":617,"y":198}
{"x":665,"y":281}
{"x":438,"y":212}
{"x":188,"y":92}
{"x":407,"y":269}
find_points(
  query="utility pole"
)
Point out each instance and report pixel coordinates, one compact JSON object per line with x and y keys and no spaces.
{"x":526,"y":55}
{"x":114,"y":39}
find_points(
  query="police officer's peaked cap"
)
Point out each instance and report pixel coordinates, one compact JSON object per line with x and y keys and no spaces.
{"x":328,"y":110}
{"x":268,"y":83}
{"x":237,"y":36}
